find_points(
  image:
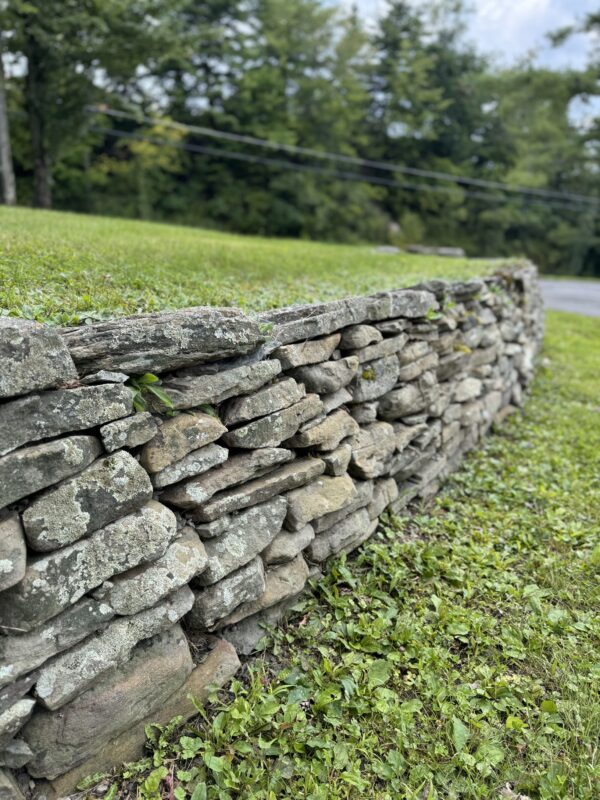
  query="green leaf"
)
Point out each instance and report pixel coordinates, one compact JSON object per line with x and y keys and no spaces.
{"x":460,"y":734}
{"x":199,"y":792}
{"x":379,"y":672}
{"x":549,"y":707}
{"x":147,"y":379}
{"x":162,"y":396}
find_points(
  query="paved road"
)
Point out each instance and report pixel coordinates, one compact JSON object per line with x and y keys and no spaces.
{"x":583,"y":297}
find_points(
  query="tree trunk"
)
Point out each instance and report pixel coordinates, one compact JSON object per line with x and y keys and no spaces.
{"x":34,"y":96}
{"x":9,"y":189}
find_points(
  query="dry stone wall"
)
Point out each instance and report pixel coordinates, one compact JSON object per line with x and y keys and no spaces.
{"x":140,"y":553}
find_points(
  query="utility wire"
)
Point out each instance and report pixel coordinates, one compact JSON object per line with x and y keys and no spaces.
{"x":339,"y":157}
{"x":337,"y":174}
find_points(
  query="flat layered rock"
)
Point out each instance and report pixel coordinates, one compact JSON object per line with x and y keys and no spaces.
{"x":336,"y":461}
{"x":215,"y":602}
{"x":12,"y":692}
{"x":320,"y":497}
{"x":364,"y":413}
{"x":71,"y":673}
{"x":265,"y":401}
{"x":33,"y":357}
{"x":250,"y":533}
{"x":256,"y":491}
{"x":195,"y":390}
{"x":411,"y":371}
{"x":237,"y":470}
{"x":179,"y":436}
{"x":110,"y":488}
{"x":46,"y":414}
{"x":384,"y":493}
{"x":335,"y":400}
{"x":34,"y":468}
{"x":129,"y":432}
{"x":133,"y":591}
{"x":372,"y":449}
{"x":309,"y":352}
{"x":271,"y":430}
{"x":413,"y":352}
{"x":375,"y":379}
{"x":13,"y":719}
{"x":195,"y":463}
{"x":15,"y":754}
{"x":327,"y":377}
{"x":163,"y":341}
{"x":362,"y":498}
{"x":13,"y":552}
{"x":410,"y":399}
{"x":405,"y":434}
{"x":383,"y":348}
{"x":358,"y":336}
{"x":328,"y":434}
{"x":58,"y":580}
{"x":287,"y":545}
{"x":343,"y":537}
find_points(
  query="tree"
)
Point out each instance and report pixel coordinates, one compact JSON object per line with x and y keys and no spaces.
{"x":9,"y":189}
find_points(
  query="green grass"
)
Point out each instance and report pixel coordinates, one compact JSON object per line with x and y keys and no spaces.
{"x":64,"y":268}
{"x":458,"y":656}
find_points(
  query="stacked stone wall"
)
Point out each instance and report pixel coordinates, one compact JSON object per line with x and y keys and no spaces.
{"x":142,"y":551}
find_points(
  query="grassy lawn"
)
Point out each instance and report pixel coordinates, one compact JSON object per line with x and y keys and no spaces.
{"x":67,"y":267}
{"x":457,"y":656}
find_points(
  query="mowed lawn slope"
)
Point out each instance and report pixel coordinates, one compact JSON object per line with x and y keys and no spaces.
{"x":66,"y":268}
{"x":456,"y":657}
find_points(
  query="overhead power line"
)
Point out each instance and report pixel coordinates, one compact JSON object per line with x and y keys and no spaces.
{"x":337,"y":174}
{"x":341,"y":158}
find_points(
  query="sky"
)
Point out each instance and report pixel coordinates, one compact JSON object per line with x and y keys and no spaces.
{"x":510,"y":29}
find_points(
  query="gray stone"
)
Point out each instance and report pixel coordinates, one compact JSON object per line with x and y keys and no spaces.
{"x":467,"y":389}
{"x":408,"y":463}
{"x":386,"y":347}
{"x":384,"y":494}
{"x":179,"y":436}
{"x":56,"y":581}
{"x":335,"y":400}
{"x":405,"y":434}
{"x":15,"y":691}
{"x":257,"y":491}
{"x":362,"y":498}
{"x":13,"y":719}
{"x":195,"y":463}
{"x":328,"y":434}
{"x":308,"y":352}
{"x":344,"y":537}
{"x":281,"y":582}
{"x":410,"y":399}
{"x":22,"y":654}
{"x":287,"y":545}
{"x":144,"y":586}
{"x":237,"y":470}
{"x":195,"y":390}
{"x":372,"y":449}
{"x":412,"y":371}
{"x":250,"y":533}
{"x":46,"y":414}
{"x":163,"y":341}
{"x":13,"y":552}
{"x":104,"y":376}
{"x":358,"y":336}
{"x":392,"y":327}
{"x":364,"y":413}
{"x":117,"y":701}
{"x":451,"y":365}
{"x":336,"y":462}
{"x":9,"y":788}
{"x":15,"y":754}
{"x":33,"y":357}
{"x":129,"y":431}
{"x":110,"y":488}
{"x":327,"y":377}
{"x":320,"y":497}
{"x":34,"y":468}
{"x":208,"y":530}
{"x":413,"y":352}
{"x":375,"y":379}
{"x":265,"y":401}
{"x":248,"y":635}
{"x":271,"y":430}
{"x":215,"y":602}
{"x":71,"y":673}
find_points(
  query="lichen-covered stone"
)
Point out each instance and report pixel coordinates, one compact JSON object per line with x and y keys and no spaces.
{"x":188,"y":391}
{"x":287,"y":544}
{"x":327,"y":377}
{"x":142,"y":587}
{"x":71,"y":673}
{"x":328,"y":434}
{"x":358,"y":336}
{"x":256,"y":491}
{"x":13,"y":551}
{"x":195,"y":463}
{"x":33,"y":357}
{"x":58,"y":580}
{"x":34,"y":468}
{"x":20,"y":654}
{"x":372,"y":449}
{"x":336,"y":461}
{"x":343,"y":537}
{"x":13,"y":719}
{"x":45,"y":414}
{"x":322,"y":496}
{"x":381,"y":349}
{"x":179,"y":436}
{"x":237,"y":470}
{"x":215,"y":602}
{"x":309,"y":352}
{"x":265,"y":401}
{"x":62,"y":740}
{"x":110,"y":488}
{"x":128,"y":432}
{"x":271,"y":430}
{"x":163,"y":341}
{"x":248,"y":535}
{"x":208,"y":530}
{"x":375,"y":379}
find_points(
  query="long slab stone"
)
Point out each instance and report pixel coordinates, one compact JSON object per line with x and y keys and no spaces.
{"x":328,"y":434}
{"x":179,"y":436}
{"x":310,"y":352}
{"x":33,"y":357}
{"x":163,"y":341}
{"x":189,"y":391}
{"x":46,"y":414}
{"x":31,"y":469}
{"x":215,"y":602}
{"x":320,"y":497}
{"x":271,"y":430}
{"x":13,"y":551}
{"x":195,"y":463}
{"x":343,"y":537}
{"x":265,"y":401}
{"x":287,"y":545}
{"x":381,"y":349}
{"x":110,"y":488}
{"x":58,"y":580}
{"x":128,"y":432}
